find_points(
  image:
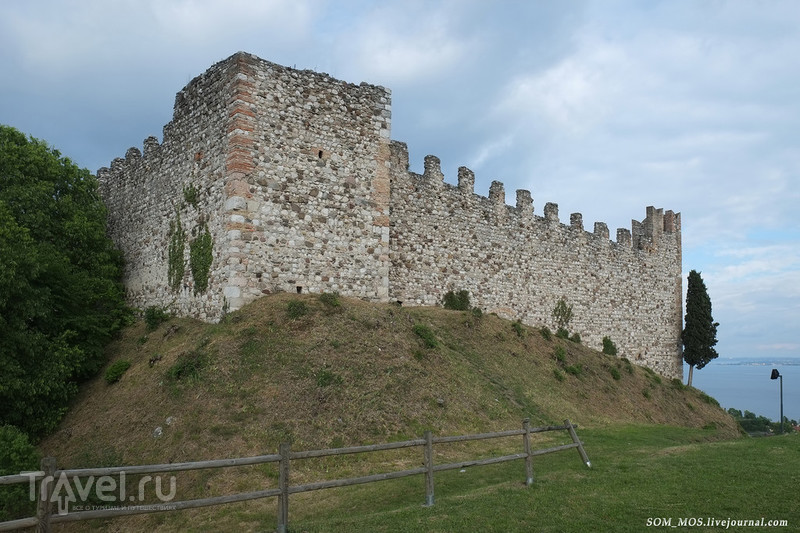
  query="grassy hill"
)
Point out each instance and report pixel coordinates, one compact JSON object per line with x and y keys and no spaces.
{"x":301,"y":368}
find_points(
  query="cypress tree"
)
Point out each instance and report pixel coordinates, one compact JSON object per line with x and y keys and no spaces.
{"x":700,"y":331}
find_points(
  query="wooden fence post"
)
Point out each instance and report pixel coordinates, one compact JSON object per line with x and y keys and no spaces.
{"x":428,"y":468}
{"x":284,"y":450}
{"x":577,"y":441}
{"x":44,"y":506}
{"x":526,"y":439}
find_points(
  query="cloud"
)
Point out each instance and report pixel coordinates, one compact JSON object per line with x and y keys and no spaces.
{"x":490,"y":148}
{"x":770,"y":269}
{"x":573,"y":95}
{"x":56,"y":40}
{"x":197,"y":21}
{"x":754,"y":291}
{"x":788,"y":347}
{"x":404,"y":43}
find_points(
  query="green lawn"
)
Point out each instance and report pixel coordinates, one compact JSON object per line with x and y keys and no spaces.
{"x":638,"y":473}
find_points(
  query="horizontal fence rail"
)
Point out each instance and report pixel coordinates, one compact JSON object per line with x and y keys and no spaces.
{"x":44,"y":480}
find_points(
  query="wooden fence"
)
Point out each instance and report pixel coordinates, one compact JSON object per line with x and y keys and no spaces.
{"x":48,"y":475}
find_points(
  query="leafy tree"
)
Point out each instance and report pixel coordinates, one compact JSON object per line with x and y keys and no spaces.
{"x":17,"y":455}
{"x":755,"y":424}
{"x":61,"y":298}
{"x":700,"y":331}
{"x":735,"y":413}
{"x":563,"y":315}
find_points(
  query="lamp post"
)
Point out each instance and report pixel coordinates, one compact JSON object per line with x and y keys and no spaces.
{"x":775,"y":375}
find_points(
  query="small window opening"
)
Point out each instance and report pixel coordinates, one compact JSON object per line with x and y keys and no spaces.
{"x":299,"y":289}
{"x":319,"y":154}
{"x":258,"y":275}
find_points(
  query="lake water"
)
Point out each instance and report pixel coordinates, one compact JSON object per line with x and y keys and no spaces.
{"x":745,"y":384}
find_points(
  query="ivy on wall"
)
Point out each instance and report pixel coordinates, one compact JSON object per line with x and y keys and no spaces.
{"x":190,"y":195}
{"x":200,"y":258}
{"x":177,"y":245}
{"x":200,"y":249}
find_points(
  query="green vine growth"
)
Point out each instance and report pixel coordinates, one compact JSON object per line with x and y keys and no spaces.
{"x":190,"y":193}
{"x":177,"y":246}
{"x":200,"y":258}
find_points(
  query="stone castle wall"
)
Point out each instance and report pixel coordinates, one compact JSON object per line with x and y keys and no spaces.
{"x":301,"y":189}
{"x":518,"y":264}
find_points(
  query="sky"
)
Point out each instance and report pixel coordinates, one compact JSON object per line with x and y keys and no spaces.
{"x":601,"y":106}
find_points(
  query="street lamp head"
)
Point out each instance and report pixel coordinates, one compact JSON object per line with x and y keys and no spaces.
{"x":775,"y":374}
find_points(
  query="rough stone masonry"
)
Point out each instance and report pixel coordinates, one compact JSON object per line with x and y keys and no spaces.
{"x":293,"y":176}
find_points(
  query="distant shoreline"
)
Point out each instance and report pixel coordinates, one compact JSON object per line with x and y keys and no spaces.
{"x":745,"y":384}
{"x":743,"y":361}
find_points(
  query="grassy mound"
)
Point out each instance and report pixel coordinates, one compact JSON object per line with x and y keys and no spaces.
{"x":329,"y":372}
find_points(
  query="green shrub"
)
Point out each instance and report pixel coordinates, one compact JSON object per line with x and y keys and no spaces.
{"x":576,"y":338}
{"x":154,"y":316}
{"x":628,"y":365}
{"x":561,"y":354}
{"x":187,"y":366}
{"x":296,"y":308}
{"x":477,"y":312}
{"x":646,"y":393}
{"x":325,"y":378}
{"x":330,"y":299}
{"x":678,"y":384}
{"x":558,"y":374}
{"x":609,"y":347}
{"x":517,"y":327}
{"x":562,"y":333}
{"x":424,"y":332}
{"x":575,"y":370}
{"x":546,"y":334}
{"x":457,"y":301}
{"x":17,"y":455}
{"x":615,"y":373}
{"x":115,"y":371}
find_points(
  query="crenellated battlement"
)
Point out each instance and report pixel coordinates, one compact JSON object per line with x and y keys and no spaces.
{"x":294,"y":177}
{"x":646,"y":233}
